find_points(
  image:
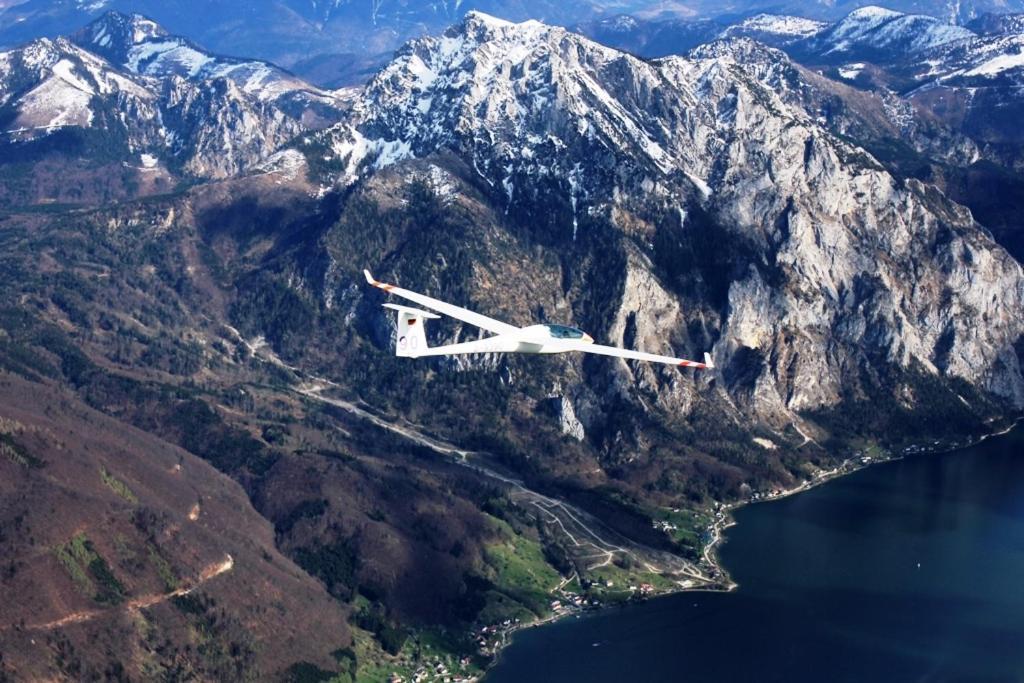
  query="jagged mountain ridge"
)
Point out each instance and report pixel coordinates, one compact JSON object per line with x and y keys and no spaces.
{"x":620,"y":139}
{"x":930,"y":99}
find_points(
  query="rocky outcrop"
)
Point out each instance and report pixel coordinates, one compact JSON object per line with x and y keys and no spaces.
{"x":567,"y":420}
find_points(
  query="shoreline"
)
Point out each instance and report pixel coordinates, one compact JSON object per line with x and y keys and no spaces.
{"x":848,"y":466}
{"x":723,"y":519}
{"x":726,"y":520}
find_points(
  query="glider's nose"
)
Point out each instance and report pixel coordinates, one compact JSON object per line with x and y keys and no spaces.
{"x":587,"y":339}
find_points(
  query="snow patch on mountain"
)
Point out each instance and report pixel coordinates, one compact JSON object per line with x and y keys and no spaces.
{"x":359,"y":152}
{"x":64,"y":70}
{"x":170,"y":56}
{"x":55,"y":103}
{"x":997,"y":65}
{"x":975,"y":62}
{"x":851,"y":71}
{"x":288,"y":164}
{"x":775,"y":24}
{"x":144,"y":29}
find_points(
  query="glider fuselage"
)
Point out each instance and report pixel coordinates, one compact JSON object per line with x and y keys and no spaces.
{"x":541,"y":338}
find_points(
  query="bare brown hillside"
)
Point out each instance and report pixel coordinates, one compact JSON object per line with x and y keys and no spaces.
{"x":111,"y":536}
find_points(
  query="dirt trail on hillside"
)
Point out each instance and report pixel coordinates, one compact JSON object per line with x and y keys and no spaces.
{"x":209,"y":572}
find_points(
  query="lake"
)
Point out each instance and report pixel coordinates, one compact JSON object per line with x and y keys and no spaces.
{"x":910,"y":570}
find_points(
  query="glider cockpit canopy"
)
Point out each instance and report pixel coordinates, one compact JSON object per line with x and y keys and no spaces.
{"x":565,"y":332}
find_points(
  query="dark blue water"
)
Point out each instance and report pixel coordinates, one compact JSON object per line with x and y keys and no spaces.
{"x":907,"y":571}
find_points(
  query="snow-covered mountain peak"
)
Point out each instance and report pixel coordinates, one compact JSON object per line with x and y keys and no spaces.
{"x":138,"y":45}
{"x":118,"y":27}
{"x":38,"y":54}
{"x":476,"y":18}
{"x":525,"y":102}
{"x":871,"y":14}
{"x":478,"y":28}
{"x":488,"y":79}
{"x":141,"y":91}
{"x":875,"y":30}
{"x":52,"y":83}
{"x":113,"y":34}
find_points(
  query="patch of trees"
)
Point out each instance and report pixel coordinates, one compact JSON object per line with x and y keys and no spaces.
{"x":90,"y":571}
{"x":172,"y":356}
{"x":941,"y":407}
{"x":224,"y":649}
{"x":373,"y":619}
{"x":335,"y":564}
{"x":203,"y":432}
{"x":307,"y":509}
{"x":268,"y":306}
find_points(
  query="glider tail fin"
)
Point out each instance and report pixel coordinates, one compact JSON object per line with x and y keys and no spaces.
{"x":708,"y":362}
{"x":411,"y":337}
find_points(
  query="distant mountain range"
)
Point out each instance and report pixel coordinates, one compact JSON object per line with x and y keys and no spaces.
{"x":306,"y":35}
{"x":124,"y":92}
{"x":291,"y":32}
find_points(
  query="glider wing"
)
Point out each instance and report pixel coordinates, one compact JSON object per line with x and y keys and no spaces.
{"x":466,"y":316}
{"x":636,"y":355}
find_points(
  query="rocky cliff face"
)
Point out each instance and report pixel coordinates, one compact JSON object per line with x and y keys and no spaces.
{"x":743,"y":223}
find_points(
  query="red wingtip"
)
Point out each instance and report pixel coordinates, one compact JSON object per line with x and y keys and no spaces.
{"x":377,"y":283}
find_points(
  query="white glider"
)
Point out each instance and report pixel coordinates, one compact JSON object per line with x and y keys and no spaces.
{"x":545,"y":338}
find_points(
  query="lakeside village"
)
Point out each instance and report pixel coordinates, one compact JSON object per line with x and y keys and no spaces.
{"x":489,"y":640}
{"x":719,"y":513}
{"x":565,"y":601}
{"x":859,"y":460}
